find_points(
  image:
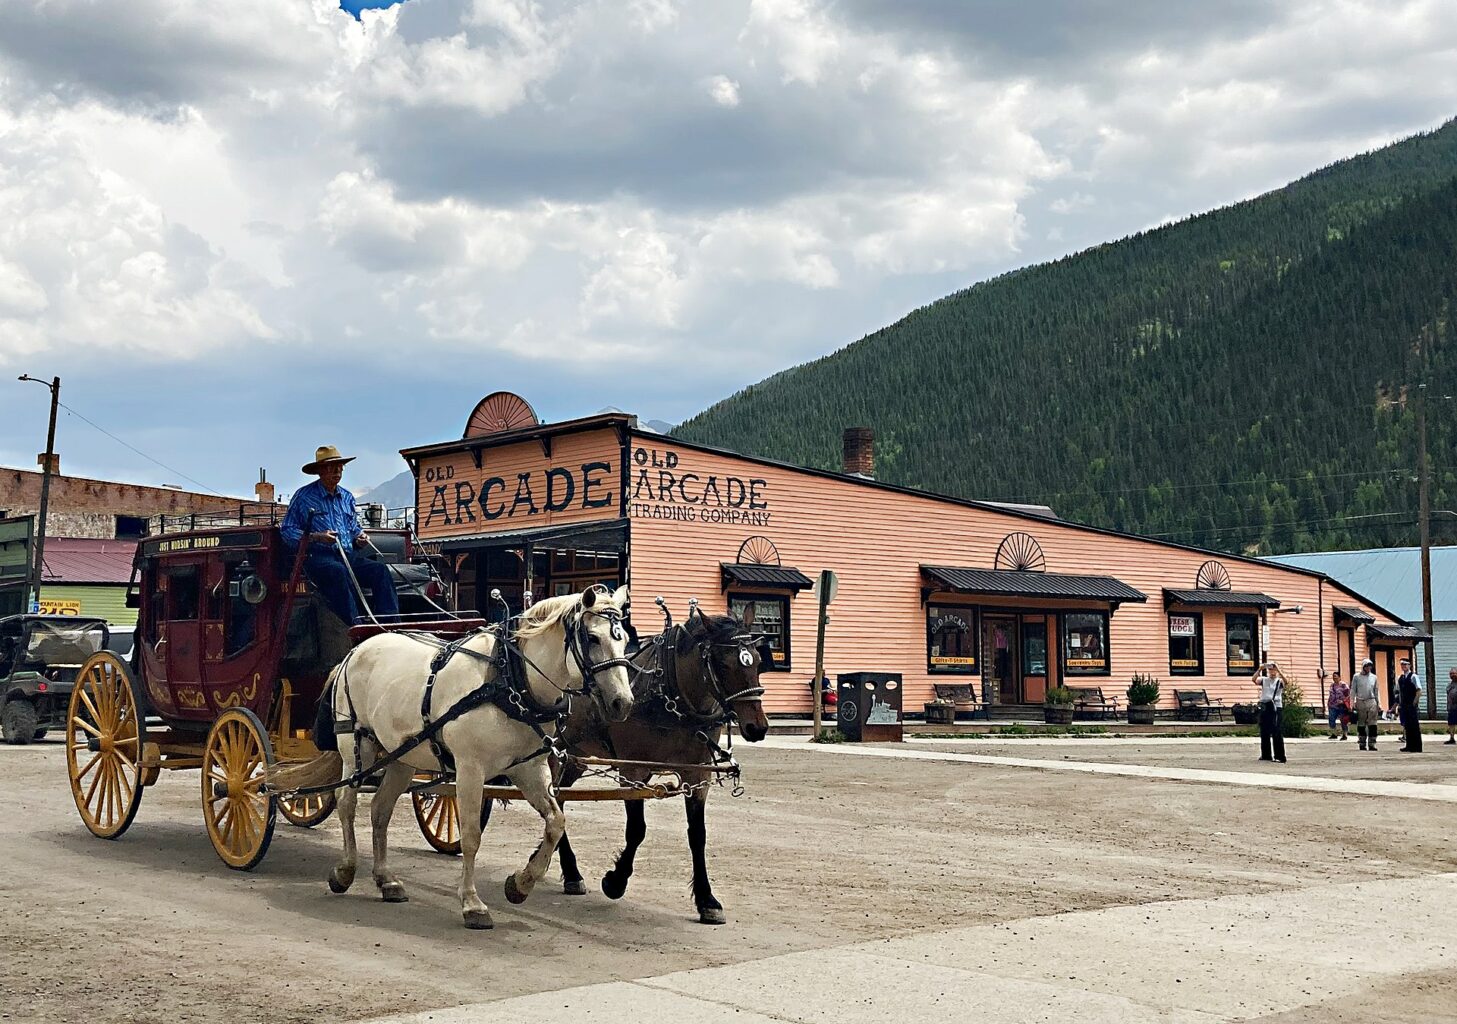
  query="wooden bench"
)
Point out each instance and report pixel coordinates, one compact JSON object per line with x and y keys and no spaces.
{"x":1089,"y":700}
{"x":952,"y":699}
{"x":1195,"y":706}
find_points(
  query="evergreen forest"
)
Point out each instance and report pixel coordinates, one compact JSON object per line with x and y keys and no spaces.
{"x":1245,"y":380}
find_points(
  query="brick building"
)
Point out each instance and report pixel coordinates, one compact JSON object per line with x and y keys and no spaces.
{"x":84,"y":508}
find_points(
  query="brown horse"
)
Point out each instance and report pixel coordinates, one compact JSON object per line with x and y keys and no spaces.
{"x":690,"y":682}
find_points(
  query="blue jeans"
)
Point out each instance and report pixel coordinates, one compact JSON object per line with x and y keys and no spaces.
{"x":325,"y":570}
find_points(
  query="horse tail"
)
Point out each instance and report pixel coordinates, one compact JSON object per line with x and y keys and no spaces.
{"x":288,"y":778}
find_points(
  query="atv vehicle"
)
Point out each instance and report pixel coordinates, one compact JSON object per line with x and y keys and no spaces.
{"x":39,"y":658}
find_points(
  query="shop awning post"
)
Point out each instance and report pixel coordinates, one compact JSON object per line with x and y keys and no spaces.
{"x":824,"y":590}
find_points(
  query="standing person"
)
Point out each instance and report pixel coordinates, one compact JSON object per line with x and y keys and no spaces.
{"x":1408,"y":695}
{"x":326,"y":512}
{"x":1451,"y":706}
{"x":1338,"y":703}
{"x":1368,"y":711}
{"x":1272,"y":702}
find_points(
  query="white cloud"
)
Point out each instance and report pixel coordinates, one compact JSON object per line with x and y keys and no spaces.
{"x":724,"y":90}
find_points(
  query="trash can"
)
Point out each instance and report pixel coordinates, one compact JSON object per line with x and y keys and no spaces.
{"x":869,"y":708}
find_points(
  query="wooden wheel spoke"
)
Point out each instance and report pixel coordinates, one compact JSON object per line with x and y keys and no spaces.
{"x":88,"y":727}
{"x":95,"y":781}
{"x":89,"y":765}
{"x":95,"y":715}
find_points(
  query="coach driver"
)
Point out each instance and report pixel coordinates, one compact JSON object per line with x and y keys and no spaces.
{"x":327,"y":511}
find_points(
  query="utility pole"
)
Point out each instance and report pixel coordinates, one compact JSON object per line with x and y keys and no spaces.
{"x":45,"y":487}
{"x":1424,"y":504}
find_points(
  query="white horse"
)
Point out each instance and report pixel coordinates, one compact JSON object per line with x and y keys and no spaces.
{"x":575,"y":643}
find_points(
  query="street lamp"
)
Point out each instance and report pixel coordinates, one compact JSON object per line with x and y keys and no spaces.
{"x":45,"y":486}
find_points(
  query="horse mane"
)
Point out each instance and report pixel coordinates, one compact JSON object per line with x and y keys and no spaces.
{"x":545,"y":614}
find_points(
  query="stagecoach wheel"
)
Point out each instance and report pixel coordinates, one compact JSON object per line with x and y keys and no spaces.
{"x":438,"y":815}
{"x":308,"y":810}
{"x":104,"y":736}
{"x":239,"y":814}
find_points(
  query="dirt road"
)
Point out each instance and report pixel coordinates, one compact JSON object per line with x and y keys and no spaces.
{"x":820,"y":852}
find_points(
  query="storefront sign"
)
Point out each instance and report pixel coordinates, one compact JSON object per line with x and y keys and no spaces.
{"x":1182,"y":625}
{"x":486,"y":498}
{"x":663,"y":485}
{"x":56,"y":606}
{"x":1184,"y":663}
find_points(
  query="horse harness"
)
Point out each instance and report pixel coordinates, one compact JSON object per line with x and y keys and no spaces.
{"x":668,"y":693}
{"x":505,"y":687}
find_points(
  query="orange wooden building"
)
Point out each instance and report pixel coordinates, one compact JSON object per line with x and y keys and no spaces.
{"x":938,"y":589}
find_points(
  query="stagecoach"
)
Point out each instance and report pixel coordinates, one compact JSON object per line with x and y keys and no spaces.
{"x":231,"y":654}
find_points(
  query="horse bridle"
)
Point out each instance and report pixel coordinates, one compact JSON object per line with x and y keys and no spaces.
{"x":579,"y":638}
{"x":743,"y":643}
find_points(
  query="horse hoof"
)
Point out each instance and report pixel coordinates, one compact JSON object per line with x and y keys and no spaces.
{"x":513,"y":893}
{"x":393,"y":892}
{"x":574,"y":887}
{"x":711,"y":915}
{"x":479,"y":920}
{"x":340,"y":883}
{"x":613,"y":886}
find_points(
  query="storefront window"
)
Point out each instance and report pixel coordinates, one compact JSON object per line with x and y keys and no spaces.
{"x":1186,"y":644}
{"x":768,"y":615}
{"x":1241,"y":644}
{"x":1085,"y":643}
{"x":951,"y":639}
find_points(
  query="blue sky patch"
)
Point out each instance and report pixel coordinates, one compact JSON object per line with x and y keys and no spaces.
{"x":355,"y":6}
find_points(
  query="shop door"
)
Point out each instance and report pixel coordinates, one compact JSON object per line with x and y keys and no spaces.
{"x":999,"y":658}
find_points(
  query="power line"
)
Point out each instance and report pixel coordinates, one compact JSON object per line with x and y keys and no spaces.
{"x":1213,"y":483}
{"x":132,"y":447}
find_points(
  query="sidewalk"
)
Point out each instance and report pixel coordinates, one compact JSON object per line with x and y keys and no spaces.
{"x":1180,"y":962}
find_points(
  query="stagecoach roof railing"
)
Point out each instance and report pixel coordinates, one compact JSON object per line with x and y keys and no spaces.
{"x":270,"y":514}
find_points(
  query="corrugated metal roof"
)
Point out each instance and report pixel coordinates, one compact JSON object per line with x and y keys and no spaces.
{"x":1392,"y":577}
{"x":1010,"y":583}
{"x":765,"y":575}
{"x":83,"y":560}
{"x":1396,"y":633}
{"x":1220,"y":598}
{"x":1350,"y":611}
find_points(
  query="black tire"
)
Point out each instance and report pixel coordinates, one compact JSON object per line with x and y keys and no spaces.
{"x":40,"y":734}
{"x":19,"y":722}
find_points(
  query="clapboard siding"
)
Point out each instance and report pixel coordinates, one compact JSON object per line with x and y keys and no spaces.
{"x":876,"y":538}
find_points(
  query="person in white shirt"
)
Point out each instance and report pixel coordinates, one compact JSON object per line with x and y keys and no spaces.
{"x":1272,"y":700}
{"x":1368,"y":711}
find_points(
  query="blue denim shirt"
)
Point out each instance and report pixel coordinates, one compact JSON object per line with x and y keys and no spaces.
{"x":331,"y":512}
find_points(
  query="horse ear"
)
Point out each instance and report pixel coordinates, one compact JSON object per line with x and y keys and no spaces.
{"x":589,"y":597}
{"x":620,"y":596}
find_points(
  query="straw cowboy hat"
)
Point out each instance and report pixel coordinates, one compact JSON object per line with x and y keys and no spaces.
{"x":326,"y":454}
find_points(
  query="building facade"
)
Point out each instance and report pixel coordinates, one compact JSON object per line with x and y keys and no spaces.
{"x":934,"y":588}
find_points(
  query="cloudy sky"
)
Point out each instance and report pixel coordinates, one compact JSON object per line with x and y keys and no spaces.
{"x":238,"y":230}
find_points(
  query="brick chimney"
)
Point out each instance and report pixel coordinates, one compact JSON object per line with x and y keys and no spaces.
{"x":859,"y":451}
{"x":40,"y":460}
{"x":263,"y":489}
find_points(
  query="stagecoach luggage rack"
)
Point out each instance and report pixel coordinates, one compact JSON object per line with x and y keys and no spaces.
{"x":247,"y":514}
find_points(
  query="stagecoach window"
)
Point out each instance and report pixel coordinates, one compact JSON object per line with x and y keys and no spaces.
{"x":1085,"y":644}
{"x":1186,"y":644}
{"x":1241,"y":644}
{"x":951,"y":639}
{"x":768,"y":615}
{"x":183,"y":592}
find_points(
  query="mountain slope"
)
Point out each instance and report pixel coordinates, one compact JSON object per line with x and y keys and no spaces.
{"x":1233,"y":380}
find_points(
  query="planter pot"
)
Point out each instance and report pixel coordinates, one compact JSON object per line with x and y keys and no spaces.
{"x":1140,"y":714}
{"x":1058,"y":714}
{"x":1246,"y":714}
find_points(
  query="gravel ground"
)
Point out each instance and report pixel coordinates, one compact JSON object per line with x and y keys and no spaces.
{"x":821,"y":851}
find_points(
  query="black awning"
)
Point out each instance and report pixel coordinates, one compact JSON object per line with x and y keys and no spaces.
{"x":603,"y":535}
{"x":1350,"y":613}
{"x":784,"y":577}
{"x":1395,"y":634}
{"x":1220,"y":598}
{"x":1012,"y":583}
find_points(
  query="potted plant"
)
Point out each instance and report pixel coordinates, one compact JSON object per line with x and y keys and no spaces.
{"x":1246,"y":714}
{"x":1143,"y":694}
{"x":1057,"y":706}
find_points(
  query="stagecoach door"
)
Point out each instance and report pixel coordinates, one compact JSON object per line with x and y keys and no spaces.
{"x":181,"y":652}
{"x":999,"y":658}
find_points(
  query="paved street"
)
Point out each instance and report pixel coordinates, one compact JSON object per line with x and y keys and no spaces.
{"x":919,"y":882}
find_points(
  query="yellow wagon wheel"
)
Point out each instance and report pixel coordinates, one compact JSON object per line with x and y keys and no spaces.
{"x":307,"y":811}
{"x":438,"y":816}
{"x":104,"y":735}
{"x":239,"y":814}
